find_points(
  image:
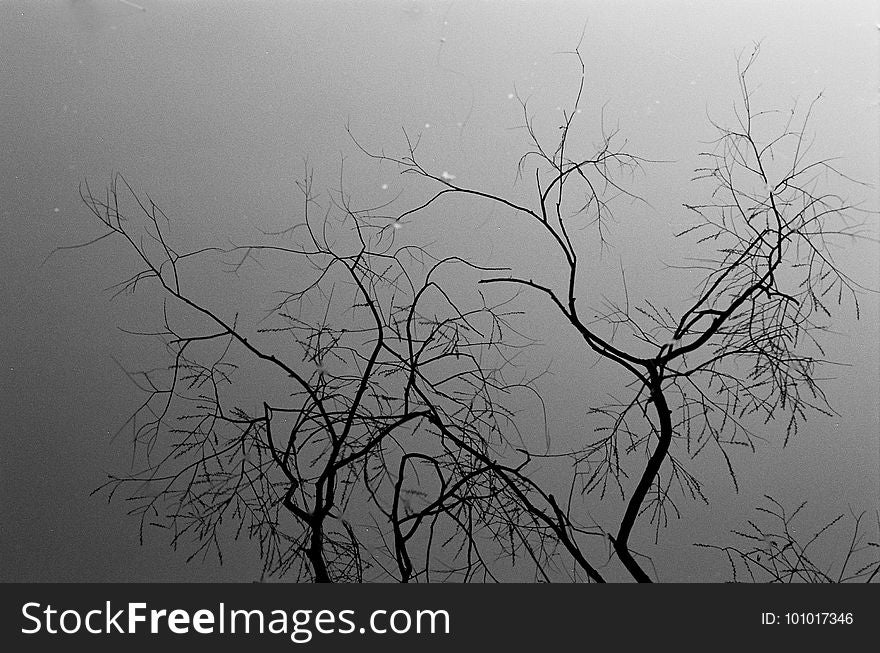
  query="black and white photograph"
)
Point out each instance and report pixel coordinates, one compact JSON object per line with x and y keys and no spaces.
{"x":439,"y":292}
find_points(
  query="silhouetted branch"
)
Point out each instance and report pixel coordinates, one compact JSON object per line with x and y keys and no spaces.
{"x":775,"y":549}
{"x":386,"y":372}
{"x":744,"y":350}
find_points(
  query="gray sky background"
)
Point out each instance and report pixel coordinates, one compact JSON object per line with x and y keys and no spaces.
{"x":211,"y":107}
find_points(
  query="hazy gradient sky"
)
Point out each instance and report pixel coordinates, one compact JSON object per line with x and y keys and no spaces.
{"x":211,"y":107}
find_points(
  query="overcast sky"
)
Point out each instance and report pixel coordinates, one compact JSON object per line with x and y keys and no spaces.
{"x":211,"y":107}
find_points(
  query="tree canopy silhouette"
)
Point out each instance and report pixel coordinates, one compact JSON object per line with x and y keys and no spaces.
{"x":382,"y":441}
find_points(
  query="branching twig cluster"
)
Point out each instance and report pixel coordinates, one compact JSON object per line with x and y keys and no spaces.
{"x":744,"y":350}
{"x":389,"y":454}
{"x":774,"y":551}
{"x":385,"y":445}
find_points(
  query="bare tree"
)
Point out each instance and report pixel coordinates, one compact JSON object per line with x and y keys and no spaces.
{"x":392,"y":430}
{"x":742,"y":352}
{"x":381,"y":440}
